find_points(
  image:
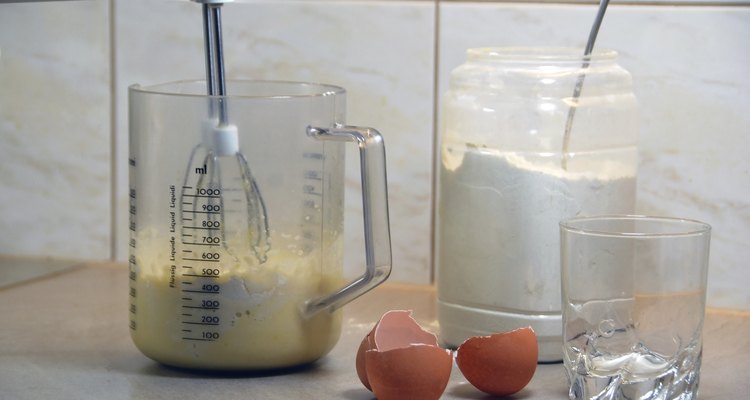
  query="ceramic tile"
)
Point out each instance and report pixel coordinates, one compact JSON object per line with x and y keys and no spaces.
{"x":55,"y":130}
{"x":381,"y":52}
{"x":690,"y":69}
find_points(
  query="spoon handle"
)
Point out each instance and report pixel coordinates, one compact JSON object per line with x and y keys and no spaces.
{"x":579,"y":82}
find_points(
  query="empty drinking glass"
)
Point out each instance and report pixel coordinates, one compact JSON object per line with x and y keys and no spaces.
{"x":634,"y":291}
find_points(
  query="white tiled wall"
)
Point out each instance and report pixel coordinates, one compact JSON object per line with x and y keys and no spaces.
{"x":55,"y":174}
{"x":690,"y":64}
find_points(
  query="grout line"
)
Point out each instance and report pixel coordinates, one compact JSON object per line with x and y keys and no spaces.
{"x":112,"y":133}
{"x":435,"y":111}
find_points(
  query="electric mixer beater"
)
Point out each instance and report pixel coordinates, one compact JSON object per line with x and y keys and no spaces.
{"x":218,"y":181}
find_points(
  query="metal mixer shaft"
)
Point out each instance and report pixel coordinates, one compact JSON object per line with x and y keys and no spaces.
{"x":235,"y":207}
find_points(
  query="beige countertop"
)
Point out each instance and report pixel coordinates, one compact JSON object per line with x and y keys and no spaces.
{"x":65,"y":336}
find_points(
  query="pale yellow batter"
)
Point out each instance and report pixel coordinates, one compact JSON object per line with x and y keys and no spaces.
{"x":260,"y":322}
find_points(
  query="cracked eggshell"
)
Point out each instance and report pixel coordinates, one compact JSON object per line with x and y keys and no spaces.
{"x":499,"y":364}
{"x":417,"y":372}
{"x":366,"y":344}
{"x":398,"y":359}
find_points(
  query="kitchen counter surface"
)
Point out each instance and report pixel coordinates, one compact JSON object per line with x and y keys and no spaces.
{"x":66,"y":336}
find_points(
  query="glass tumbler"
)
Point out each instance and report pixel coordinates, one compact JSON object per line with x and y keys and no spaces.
{"x":633,"y":294}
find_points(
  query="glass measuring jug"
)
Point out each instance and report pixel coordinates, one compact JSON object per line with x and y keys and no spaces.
{"x":198,"y":297}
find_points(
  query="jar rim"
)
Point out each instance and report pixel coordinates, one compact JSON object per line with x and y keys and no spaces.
{"x":539,"y":54}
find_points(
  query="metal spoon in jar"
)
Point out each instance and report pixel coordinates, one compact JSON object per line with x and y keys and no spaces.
{"x":579,"y":83}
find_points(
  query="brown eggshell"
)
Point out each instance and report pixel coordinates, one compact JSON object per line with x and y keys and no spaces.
{"x":397,"y":329}
{"x":398,"y":359}
{"x":417,"y":372}
{"x":499,"y":364}
{"x":367,"y":344}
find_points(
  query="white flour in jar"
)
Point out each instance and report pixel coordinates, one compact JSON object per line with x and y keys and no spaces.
{"x":498,"y":240}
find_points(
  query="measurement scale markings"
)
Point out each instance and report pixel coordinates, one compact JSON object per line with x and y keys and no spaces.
{"x":199,"y":291}
{"x":311,"y":191}
{"x":203,"y":196}
{"x":313,"y":176}
{"x":186,"y":251}
{"x":198,"y":259}
{"x":200,"y":227}
{"x":201,"y":276}
{"x":314,"y":156}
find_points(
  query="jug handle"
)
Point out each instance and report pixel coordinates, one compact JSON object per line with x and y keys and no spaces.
{"x":375,"y":210}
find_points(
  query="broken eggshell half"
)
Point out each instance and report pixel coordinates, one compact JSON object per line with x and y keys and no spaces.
{"x":398,"y":359}
{"x":500,"y":364}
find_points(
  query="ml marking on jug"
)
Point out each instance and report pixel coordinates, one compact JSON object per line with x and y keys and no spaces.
{"x":200,"y":264}
{"x":132,"y":261}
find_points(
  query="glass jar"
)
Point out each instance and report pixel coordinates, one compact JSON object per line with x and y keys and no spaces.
{"x":520,"y":150}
